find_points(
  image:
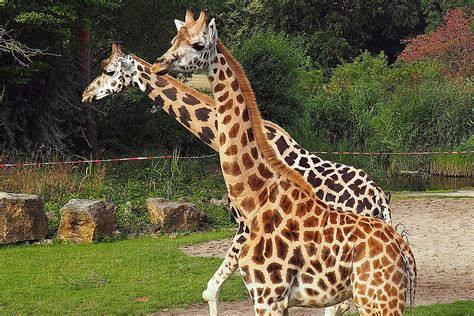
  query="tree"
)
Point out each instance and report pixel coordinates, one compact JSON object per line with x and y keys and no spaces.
{"x":41,"y":109}
{"x":435,"y":11}
{"x":329,"y":31}
{"x":452,"y":44}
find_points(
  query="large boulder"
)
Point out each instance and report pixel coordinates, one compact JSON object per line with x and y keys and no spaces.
{"x":176,"y":216}
{"x":22,"y":218}
{"x":83,"y":221}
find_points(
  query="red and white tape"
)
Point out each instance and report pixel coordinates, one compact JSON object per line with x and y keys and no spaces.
{"x":394,"y":153}
{"x":74,"y":162}
{"x":95,"y":161}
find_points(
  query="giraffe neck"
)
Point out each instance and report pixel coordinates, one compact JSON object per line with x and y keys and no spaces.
{"x":190,"y":108}
{"x":248,"y":161}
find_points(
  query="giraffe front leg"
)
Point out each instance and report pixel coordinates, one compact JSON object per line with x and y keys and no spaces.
{"x":227,"y":267}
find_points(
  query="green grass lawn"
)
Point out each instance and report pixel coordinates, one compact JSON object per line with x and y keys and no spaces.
{"x":460,"y":308}
{"x":133,"y":276}
{"x":128,"y":276}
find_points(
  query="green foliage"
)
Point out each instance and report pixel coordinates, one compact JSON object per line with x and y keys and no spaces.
{"x":367,"y":104}
{"x":455,"y":165}
{"x":375,"y":106}
{"x":329,"y":32}
{"x":41,"y":108}
{"x":435,"y":10}
{"x":431,"y":115}
{"x":129,"y":122}
{"x":280,"y":75}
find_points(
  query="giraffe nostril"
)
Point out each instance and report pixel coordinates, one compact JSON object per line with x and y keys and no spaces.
{"x":160,"y":60}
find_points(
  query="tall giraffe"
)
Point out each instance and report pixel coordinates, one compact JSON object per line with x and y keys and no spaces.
{"x":120,"y":71}
{"x":300,"y":252}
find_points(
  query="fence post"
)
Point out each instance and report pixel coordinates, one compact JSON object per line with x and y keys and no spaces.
{"x":170,"y":180}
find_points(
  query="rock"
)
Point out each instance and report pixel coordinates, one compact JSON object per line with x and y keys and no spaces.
{"x":83,"y":221}
{"x":22,"y":218}
{"x":220,"y":202}
{"x":174,"y":216}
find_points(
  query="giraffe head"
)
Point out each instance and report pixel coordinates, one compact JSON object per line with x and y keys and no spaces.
{"x":115,"y":75}
{"x":191,"y":48}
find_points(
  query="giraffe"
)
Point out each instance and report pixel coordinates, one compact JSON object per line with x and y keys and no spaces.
{"x":300,"y":252}
{"x":120,"y":71}
{"x":344,"y":187}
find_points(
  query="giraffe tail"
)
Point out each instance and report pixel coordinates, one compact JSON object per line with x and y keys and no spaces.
{"x":410,"y":267}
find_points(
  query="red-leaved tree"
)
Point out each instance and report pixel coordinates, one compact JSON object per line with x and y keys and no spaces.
{"x":452,"y":44}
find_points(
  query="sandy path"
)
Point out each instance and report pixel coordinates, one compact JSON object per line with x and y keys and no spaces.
{"x":442,"y":239}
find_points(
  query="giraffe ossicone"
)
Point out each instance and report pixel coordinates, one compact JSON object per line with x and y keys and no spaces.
{"x":300,"y":252}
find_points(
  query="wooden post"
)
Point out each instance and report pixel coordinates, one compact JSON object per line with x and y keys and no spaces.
{"x":170,"y":180}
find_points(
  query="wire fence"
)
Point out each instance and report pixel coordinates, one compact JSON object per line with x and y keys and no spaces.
{"x":169,"y":160}
{"x":95,"y":161}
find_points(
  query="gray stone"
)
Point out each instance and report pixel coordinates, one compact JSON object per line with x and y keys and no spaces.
{"x":224,"y":201}
{"x":22,"y":218}
{"x":176,"y":216}
{"x":83,"y":221}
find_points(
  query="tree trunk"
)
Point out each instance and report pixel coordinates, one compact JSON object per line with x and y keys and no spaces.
{"x":83,"y":58}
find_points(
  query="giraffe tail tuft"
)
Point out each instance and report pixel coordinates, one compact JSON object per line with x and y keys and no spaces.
{"x":410,"y":267}
{"x":389,"y":197}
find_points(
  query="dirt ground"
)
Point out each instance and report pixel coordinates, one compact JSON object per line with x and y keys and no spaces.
{"x":441,"y":237}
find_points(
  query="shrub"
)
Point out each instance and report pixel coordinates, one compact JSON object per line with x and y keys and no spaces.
{"x":369,"y":105}
{"x":280,"y":75}
{"x":129,"y":123}
{"x":353,"y":96}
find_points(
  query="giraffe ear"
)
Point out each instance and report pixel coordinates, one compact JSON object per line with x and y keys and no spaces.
{"x":178,"y":23}
{"x":126,"y":62}
{"x":212,"y":31}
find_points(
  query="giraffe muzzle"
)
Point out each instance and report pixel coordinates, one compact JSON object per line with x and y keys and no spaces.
{"x":162,"y":65}
{"x":159,"y":68}
{"x":87,"y":98}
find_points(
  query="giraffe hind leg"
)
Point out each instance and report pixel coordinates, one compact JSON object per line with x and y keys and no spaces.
{"x":338,"y":310}
{"x":373,"y":298}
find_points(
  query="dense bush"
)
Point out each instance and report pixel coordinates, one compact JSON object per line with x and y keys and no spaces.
{"x":40,"y":107}
{"x":281,"y":77}
{"x":374,"y":106}
{"x":129,"y":123}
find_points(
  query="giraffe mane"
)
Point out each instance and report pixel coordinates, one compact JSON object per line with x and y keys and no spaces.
{"x":181,"y":86}
{"x":257,"y":125}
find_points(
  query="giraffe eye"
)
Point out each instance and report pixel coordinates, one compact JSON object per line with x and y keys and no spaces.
{"x":110,"y":73}
{"x":198,"y":46}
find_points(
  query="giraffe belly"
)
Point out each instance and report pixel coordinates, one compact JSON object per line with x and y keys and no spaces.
{"x":310,"y":295}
